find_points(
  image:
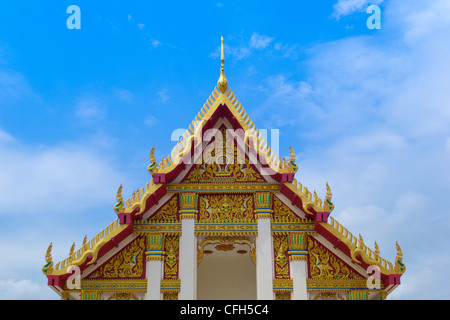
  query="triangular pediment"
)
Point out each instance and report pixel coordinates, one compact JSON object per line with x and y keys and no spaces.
{"x":224,"y":158}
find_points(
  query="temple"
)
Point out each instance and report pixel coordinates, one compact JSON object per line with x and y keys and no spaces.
{"x":224,"y":217}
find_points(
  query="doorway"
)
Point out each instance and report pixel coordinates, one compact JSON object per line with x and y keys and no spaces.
{"x":226,"y":272}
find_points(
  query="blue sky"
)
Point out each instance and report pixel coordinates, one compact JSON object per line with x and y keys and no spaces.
{"x":365,"y":110}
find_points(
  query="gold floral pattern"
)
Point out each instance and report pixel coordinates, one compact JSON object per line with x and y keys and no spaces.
{"x":128,"y":263}
{"x":325,"y":265}
{"x":226,"y":207}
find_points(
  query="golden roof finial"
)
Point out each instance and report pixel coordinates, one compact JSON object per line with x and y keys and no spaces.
{"x":222,"y":84}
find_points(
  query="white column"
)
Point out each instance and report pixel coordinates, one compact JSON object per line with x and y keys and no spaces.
{"x":188,"y":261}
{"x":299,"y":275}
{"x":264,"y":260}
{"x":154,"y":274}
{"x":188,"y":247}
{"x":154,"y":268}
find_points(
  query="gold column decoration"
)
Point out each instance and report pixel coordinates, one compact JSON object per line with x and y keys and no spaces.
{"x":298,"y":246}
{"x":170,"y":284}
{"x":358,"y":295}
{"x":282,"y":284}
{"x":188,"y":205}
{"x":90,"y":295}
{"x":155,"y":247}
{"x":263,"y":205}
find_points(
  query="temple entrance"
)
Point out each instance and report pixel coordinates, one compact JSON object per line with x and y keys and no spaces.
{"x":226,"y":271}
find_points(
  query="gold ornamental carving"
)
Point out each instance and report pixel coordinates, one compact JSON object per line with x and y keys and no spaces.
{"x":123,"y":296}
{"x":223,"y":162}
{"x":226,"y":243}
{"x":226,"y":207}
{"x":128,"y":263}
{"x":168,"y":212}
{"x":281,"y":246}
{"x":171,"y":246}
{"x":282,"y":211}
{"x":328,"y":296}
{"x":325,"y":265}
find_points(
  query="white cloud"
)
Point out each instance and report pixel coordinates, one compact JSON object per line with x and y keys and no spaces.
{"x":6,"y":137}
{"x":150,"y":120}
{"x":155,"y":43}
{"x":24,"y":289}
{"x":347,"y":7}
{"x":163,"y":95}
{"x":245,"y":47}
{"x":124,"y":95}
{"x":51,"y":179}
{"x":89,"y":108}
{"x":260,"y":41}
{"x":373,"y":118}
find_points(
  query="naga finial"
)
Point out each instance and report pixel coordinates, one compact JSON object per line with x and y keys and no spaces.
{"x":72,"y":250}
{"x":119,"y":207}
{"x":377,"y":249}
{"x":83,"y":245}
{"x":327,"y":204}
{"x":292,"y":167}
{"x":399,"y":266}
{"x":48,"y":267}
{"x":222,"y":84}
{"x":153,"y":166}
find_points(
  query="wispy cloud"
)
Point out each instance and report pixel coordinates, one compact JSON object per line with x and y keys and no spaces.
{"x":373,"y":121}
{"x":163,"y":95}
{"x":155,"y":43}
{"x":347,"y":7}
{"x":260,"y":41}
{"x":89,"y":108}
{"x":150,"y":120}
{"x":51,"y":178}
{"x":245,"y":48}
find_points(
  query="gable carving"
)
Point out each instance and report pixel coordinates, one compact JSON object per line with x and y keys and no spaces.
{"x":223,"y":162}
{"x":128,"y":263}
{"x":325,"y":265}
{"x":168,"y":212}
{"x":230,"y":207}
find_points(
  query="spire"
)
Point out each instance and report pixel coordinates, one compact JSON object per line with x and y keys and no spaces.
{"x":222,"y":83}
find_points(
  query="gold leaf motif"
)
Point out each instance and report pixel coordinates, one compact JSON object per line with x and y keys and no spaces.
{"x":328,"y":296}
{"x":228,"y":165}
{"x":171,"y":246}
{"x":282,"y":211}
{"x":123,"y":296}
{"x":128,"y":263}
{"x":168,"y":212}
{"x":325,"y":265}
{"x":226,"y":207}
{"x":280,"y":246}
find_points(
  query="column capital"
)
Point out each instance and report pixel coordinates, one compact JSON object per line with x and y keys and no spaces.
{"x":263,"y":204}
{"x":358,"y":294}
{"x":298,"y":246}
{"x":188,"y":205}
{"x":90,"y":295}
{"x":154,"y":247}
